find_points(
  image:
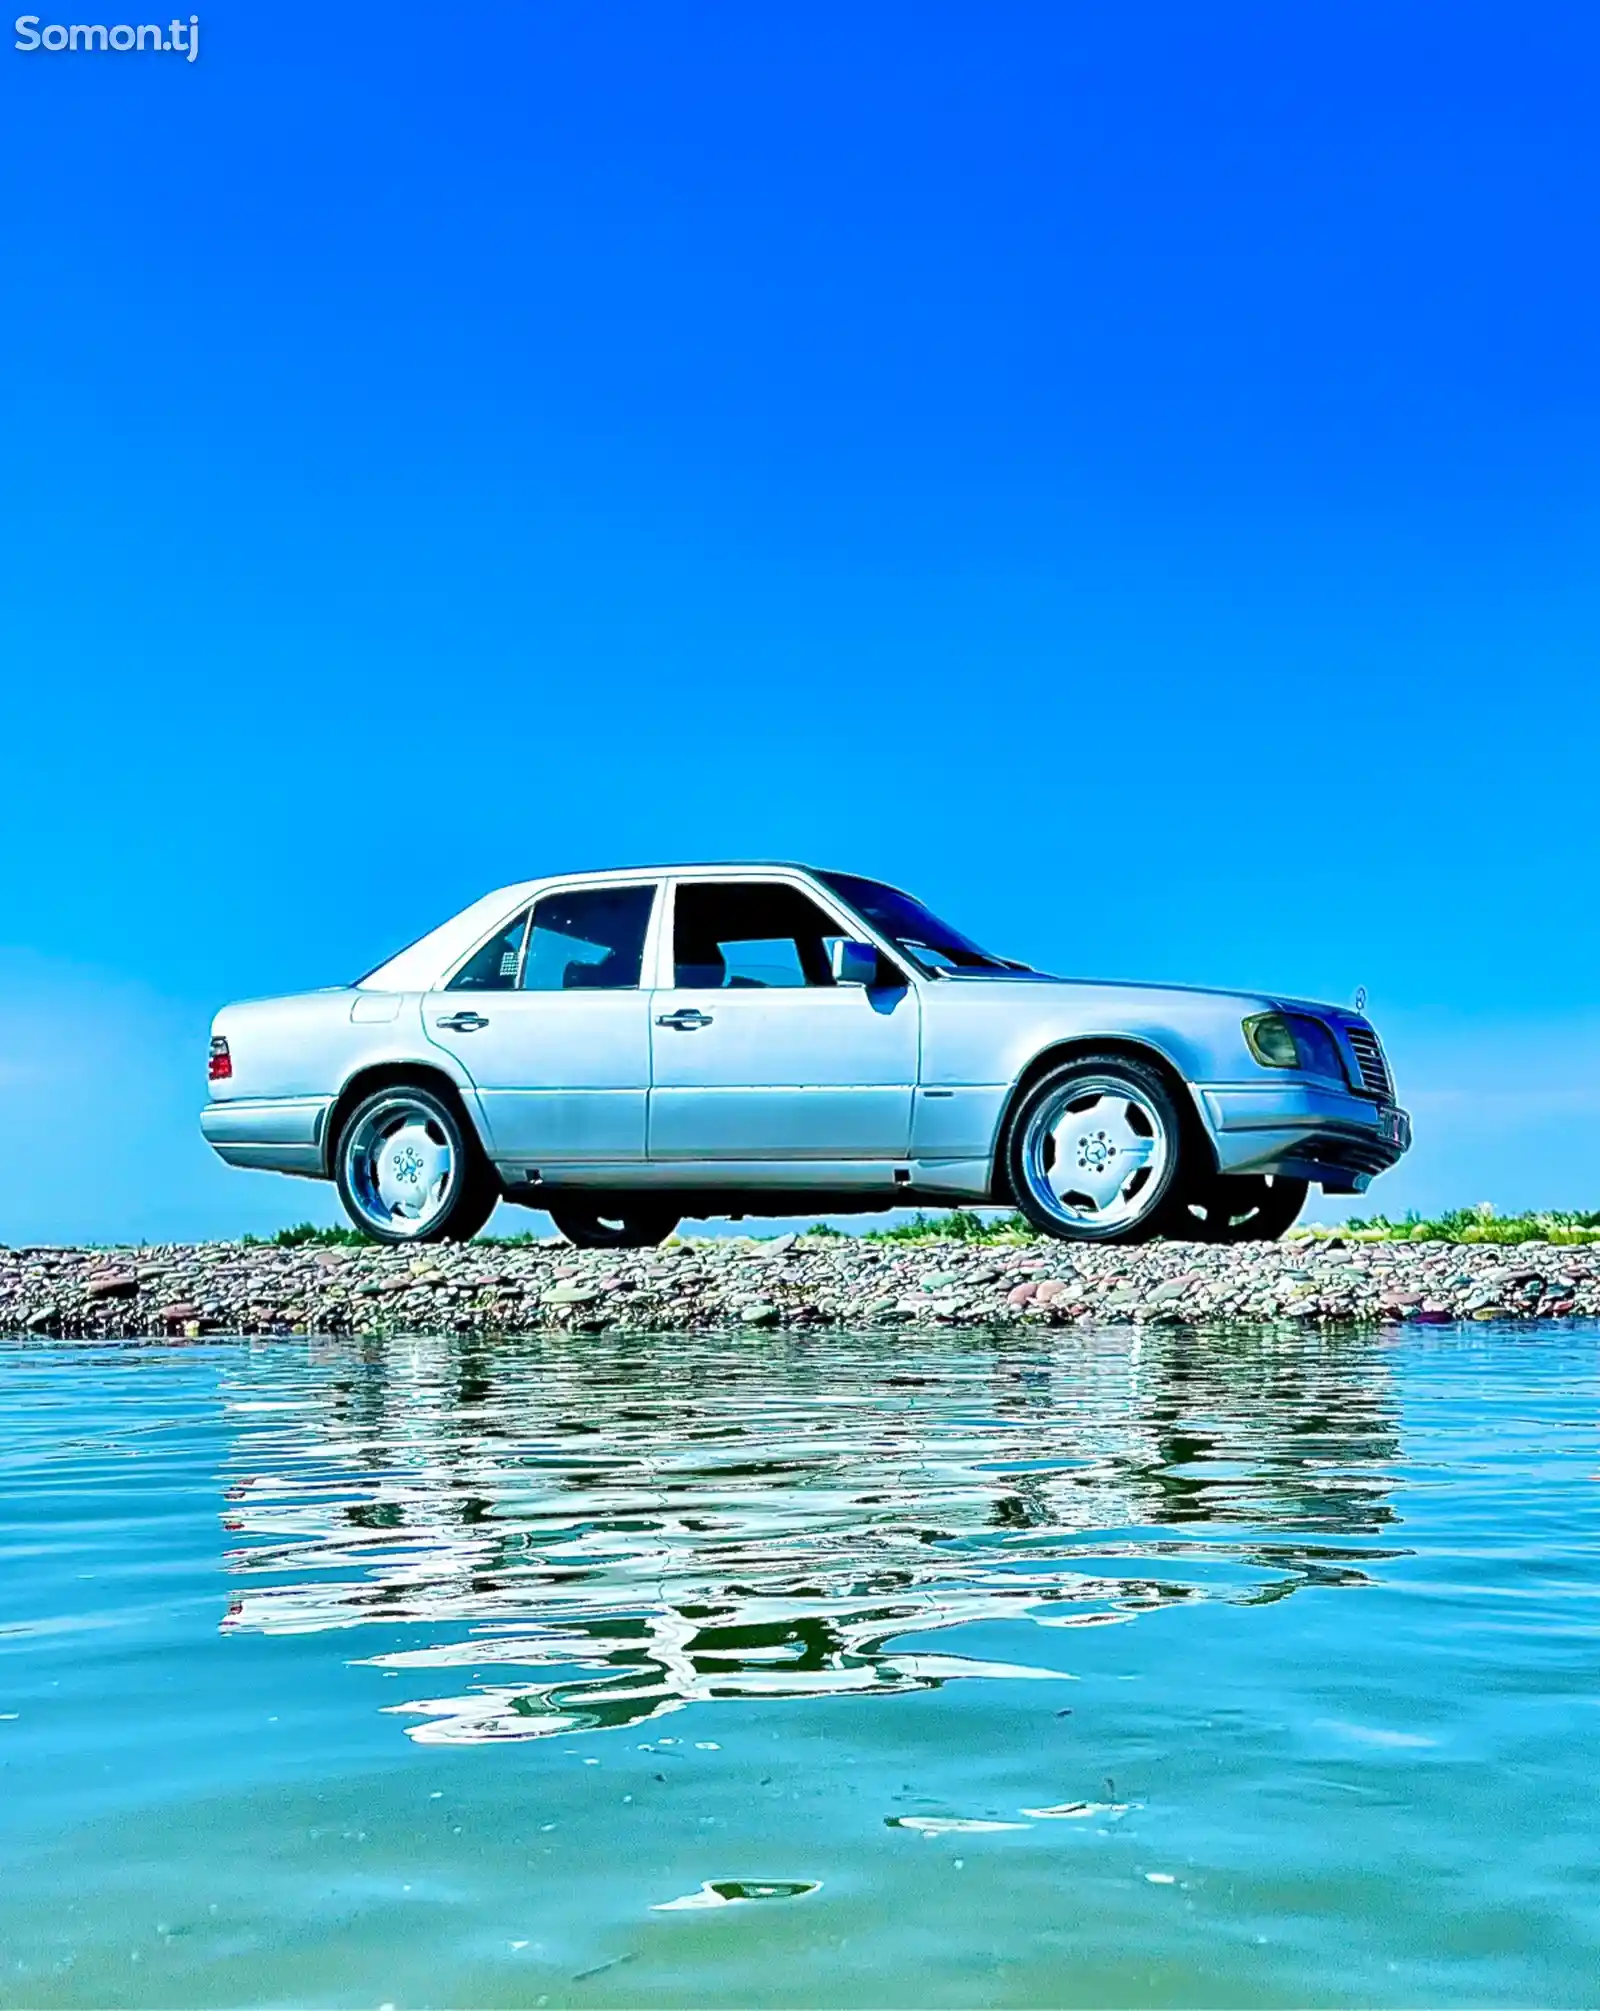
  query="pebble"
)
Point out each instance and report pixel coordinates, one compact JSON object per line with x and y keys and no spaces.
{"x":797,"y":1281}
{"x":113,"y":1285}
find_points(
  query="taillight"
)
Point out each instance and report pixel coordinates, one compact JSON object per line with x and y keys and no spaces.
{"x":220,"y":1066}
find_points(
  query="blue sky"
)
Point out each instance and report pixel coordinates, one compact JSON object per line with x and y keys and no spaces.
{"x":1128,"y":473}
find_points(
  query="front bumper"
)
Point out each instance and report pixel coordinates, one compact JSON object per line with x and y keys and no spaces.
{"x":278,"y":1134}
{"x":1305,"y":1131}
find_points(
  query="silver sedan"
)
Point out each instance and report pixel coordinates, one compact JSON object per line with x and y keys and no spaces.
{"x":628,"y":1048}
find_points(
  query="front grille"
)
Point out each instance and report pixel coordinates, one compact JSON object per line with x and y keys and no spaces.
{"x":1369,"y":1057}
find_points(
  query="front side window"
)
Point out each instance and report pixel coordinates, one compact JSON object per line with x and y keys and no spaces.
{"x":591,"y":939}
{"x":494,"y":967}
{"x":749,"y":935}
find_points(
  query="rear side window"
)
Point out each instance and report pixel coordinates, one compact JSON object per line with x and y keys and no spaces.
{"x":494,"y":967}
{"x":590,"y":939}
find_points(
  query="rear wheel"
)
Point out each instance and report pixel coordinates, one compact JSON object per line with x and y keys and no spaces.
{"x":409,"y":1170}
{"x":623,"y":1224}
{"x":1093,"y":1150}
{"x":1237,"y":1208}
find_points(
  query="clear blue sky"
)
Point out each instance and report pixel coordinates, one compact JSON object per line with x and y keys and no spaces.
{"x":1130,"y":473}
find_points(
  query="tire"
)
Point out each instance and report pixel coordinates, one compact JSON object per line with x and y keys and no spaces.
{"x":1236,"y":1208}
{"x":1076,"y":1131}
{"x":623,"y":1224}
{"x":409,"y":1168}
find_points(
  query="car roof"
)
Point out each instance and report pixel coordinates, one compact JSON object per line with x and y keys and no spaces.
{"x":682,"y":866}
{"x":418,"y":966}
{"x":682,"y":869}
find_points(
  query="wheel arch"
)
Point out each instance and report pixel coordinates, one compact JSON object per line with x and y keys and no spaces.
{"x":385,"y":1075}
{"x":1196,"y":1137}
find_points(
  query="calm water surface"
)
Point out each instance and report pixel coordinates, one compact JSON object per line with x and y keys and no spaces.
{"x":852,"y":1669}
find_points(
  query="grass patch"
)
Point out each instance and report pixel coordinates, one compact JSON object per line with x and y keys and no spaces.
{"x":342,"y":1238}
{"x":966,"y":1225}
{"x":1469,"y":1225}
{"x":1455,"y":1225}
{"x":961,"y":1225}
{"x":308,"y":1232}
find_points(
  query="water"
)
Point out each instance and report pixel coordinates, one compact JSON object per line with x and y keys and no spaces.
{"x":1057,"y":1669}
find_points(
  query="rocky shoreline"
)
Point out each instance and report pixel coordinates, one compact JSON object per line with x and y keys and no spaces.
{"x":187,"y":1292}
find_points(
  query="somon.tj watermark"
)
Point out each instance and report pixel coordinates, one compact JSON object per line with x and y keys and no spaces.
{"x":179,"y":38}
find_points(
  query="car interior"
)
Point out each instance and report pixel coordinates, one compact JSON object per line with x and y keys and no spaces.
{"x":749,"y":935}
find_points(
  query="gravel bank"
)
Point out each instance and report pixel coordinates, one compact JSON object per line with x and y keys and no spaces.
{"x":189,"y":1291}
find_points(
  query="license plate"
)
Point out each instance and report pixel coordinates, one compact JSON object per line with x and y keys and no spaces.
{"x":1394,"y":1125}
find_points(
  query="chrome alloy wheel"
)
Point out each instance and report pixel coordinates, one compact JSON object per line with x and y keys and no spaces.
{"x":401,"y":1165}
{"x":1096,"y":1154}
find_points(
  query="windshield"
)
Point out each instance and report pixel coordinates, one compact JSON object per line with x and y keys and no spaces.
{"x":933,"y":946}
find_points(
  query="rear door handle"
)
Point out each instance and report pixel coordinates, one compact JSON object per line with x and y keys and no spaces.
{"x":686,"y":1019}
{"x":462,"y":1022}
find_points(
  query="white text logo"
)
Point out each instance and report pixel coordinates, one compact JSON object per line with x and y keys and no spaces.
{"x":181,"y":38}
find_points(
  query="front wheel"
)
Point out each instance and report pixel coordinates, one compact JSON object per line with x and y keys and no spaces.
{"x":409,"y":1171}
{"x":1093,"y":1151}
{"x":624,"y":1224}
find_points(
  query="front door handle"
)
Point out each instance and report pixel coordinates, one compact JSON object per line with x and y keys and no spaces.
{"x":462,"y":1022}
{"x":686,"y":1019}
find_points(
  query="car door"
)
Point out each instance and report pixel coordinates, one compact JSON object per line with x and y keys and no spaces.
{"x":756,"y":1054}
{"x":550,"y":1020}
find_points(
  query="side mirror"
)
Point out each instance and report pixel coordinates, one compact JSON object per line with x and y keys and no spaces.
{"x":853,"y":963}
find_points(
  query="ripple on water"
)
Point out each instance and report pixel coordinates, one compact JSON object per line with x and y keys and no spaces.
{"x":600,"y":1533}
{"x":1066,"y":1666}
{"x":736,"y":1891}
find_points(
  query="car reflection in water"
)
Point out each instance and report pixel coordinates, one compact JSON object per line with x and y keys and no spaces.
{"x":583,"y":1533}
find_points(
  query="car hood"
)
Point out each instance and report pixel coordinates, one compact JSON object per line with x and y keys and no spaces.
{"x":1146,"y":988}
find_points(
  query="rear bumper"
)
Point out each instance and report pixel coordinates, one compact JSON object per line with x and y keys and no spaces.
{"x":1306,"y":1132}
{"x":279,"y":1134}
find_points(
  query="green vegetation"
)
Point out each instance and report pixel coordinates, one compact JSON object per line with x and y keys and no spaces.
{"x":308,"y":1232}
{"x":1469,"y":1225}
{"x":341,"y":1238}
{"x":1457,"y":1225}
{"x":966,"y":1225}
{"x":961,"y":1225}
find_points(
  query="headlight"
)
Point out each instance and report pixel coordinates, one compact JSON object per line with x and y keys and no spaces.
{"x":1270,"y":1038}
{"x":1293,"y":1040}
